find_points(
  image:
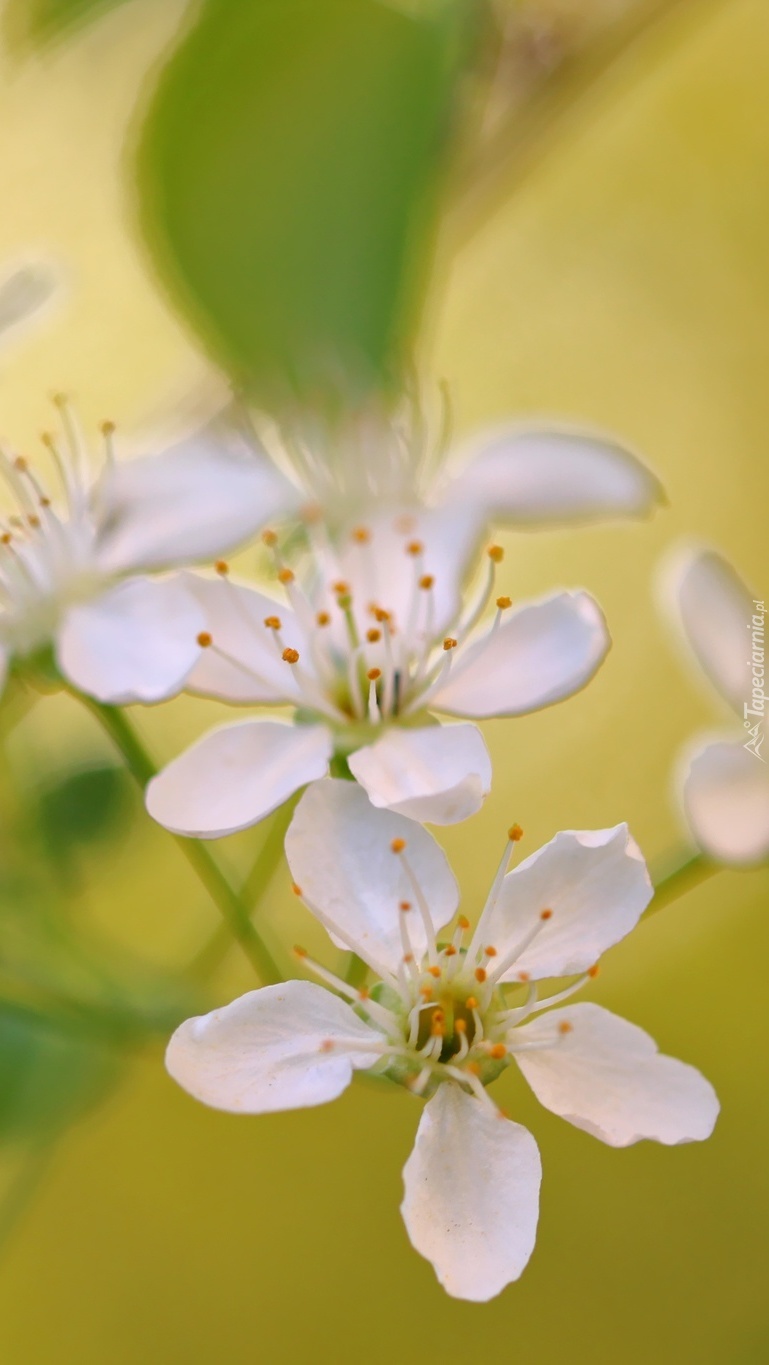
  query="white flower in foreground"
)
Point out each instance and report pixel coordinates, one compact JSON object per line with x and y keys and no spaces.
{"x":72,"y":570}
{"x":376,"y":642}
{"x":439,"y":1021}
{"x":724,"y":780}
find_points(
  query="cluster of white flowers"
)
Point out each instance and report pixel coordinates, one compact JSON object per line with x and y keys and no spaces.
{"x":372,"y":641}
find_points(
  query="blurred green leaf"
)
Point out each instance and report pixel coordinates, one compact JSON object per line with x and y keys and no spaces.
{"x":82,"y":807}
{"x":43,"y":21}
{"x":47,"y":1076}
{"x":290,"y":167}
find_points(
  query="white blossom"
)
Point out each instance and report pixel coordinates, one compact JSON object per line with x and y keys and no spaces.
{"x":440,"y":1020}
{"x":724,"y":778}
{"x":375,"y":641}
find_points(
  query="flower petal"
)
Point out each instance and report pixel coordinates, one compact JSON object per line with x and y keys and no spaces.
{"x":234,"y":617}
{"x":716,"y":611}
{"x":606,"y":1076}
{"x":236,"y":775}
{"x":726,"y":801}
{"x":541,"y":653}
{"x":528,"y":477}
{"x":135,"y":643}
{"x":471,"y":1194}
{"x":339,"y":851}
{"x":439,"y":774}
{"x":596,"y":885}
{"x":201,"y":497}
{"x":269,"y":1050}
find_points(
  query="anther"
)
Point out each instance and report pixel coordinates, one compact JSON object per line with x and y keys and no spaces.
{"x":21,"y":464}
{"x":205,"y":640}
{"x":300,"y":952}
{"x":480,"y":974}
{"x":498,"y":1051}
{"x":426,"y":992}
{"x":463,"y":922}
{"x":434,"y":971}
{"x":473,"y":1068}
{"x":504,"y":602}
{"x":290,"y":656}
{"x":272,"y":622}
{"x":546,"y":914}
{"x":449,"y":642}
{"x":373,"y":674}
{"x":373,"y":636}
{"x":323,"y":619}
{"x":565,"y":1026}
{"x":297,"y":890}
{"x":515,"y":833}
{"x":404,"y":905}
{"x":33,"y":521}
{"x":6,"y":538}
{"x":222,"y":567}
{"x":107,"y":428}
{"x":361,"y":535}
{"x":594,"y":970}
{"x":364,"y":993}
{"x":414,"y":547}
{"x":496,"y":554}
{"x":398,"y":845}
{"x":524,"y":976}
{"x":449,"y":950}
{"x":327,"y":1045}
{"x":490,"y":952}
{"x":341,"y":588}
{"x":45,"y":502}
{"x":269,"y":538}
{"x":471,"y":1003}
{"x":460,"y":1026}
{"x":285,"y":575}
{"x":426,"y":581}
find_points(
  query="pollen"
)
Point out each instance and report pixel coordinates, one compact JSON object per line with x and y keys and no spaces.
{"x":515,"y":833}
{"x":496,"y":554}
{"x":460,"y":1026}
{"x":449,"y":950}
{"x":565,"y":1026}
{"x":380,"y":615}
{"x":205,"y":640}
{"x":434,"y":971}
{"x":546,"y":914}
{"x":323,"y":619}
{"x":398,"y":845}
{"x":373,"y":635}
{"x":404,"y":905}
{"x":449,"y":643}
{"x":297,"y":890}
{"x":341,"y":588}
{"x":594,"y":970}
{"x":498,"y":1051}
{"x":269,"y":538}
{"x":290,"y":656}
{"x":285,"y":575}
{"x":272,"y":622}
{"x":426,"y":581}
{"x":373,"y":674}
{"x":463,"y":922}
{"x":471,"y":1003}
{"x":490,"y":951}
{"x":414,"y":547}
{"x":504,"y":602}
{"x":480,"y":974}
{"x":361,"y":535}
{"x":222,"y":567}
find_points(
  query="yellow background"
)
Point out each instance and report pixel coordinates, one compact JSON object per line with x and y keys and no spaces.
{"x":624,"y":283}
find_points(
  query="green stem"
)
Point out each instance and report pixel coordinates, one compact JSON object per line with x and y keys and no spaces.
{"x":234,"y":912}
{"x":681,"y":879}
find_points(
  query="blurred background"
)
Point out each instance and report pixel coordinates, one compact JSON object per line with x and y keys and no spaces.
{"x":560,"y":209}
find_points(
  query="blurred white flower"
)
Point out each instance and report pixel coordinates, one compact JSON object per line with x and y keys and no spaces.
{"x":724,"y":779}
{"x":71,"y":568}
{"x":25,"y":295}
{"x":439,"y":1022}
{"x":377,"y":642}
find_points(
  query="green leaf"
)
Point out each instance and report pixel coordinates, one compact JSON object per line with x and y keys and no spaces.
{"x":290,"y":168}
{"x":38,"y":22}
{"x":48,"y":1076}
{"x":82,"y":807}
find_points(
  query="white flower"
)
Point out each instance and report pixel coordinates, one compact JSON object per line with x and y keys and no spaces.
{"x":72,"y":568}
{"x":724,"y":780}
{"x":26,"y":293}
{"x":438,"y":1020}
{"x":523,"y":475}
{"x":367,"y":652}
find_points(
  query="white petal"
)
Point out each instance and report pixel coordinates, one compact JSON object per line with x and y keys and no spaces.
{"x":381,"y":571}
{"x":439,"y":774}
{"x":716,"y":610}
{"x":606,"y":1076}
{"x":530,"y":477}
{"x":135,"y":643}
{"x":192,"y":502}
{"x":541,"y":653}
{"x":234,"y":617}
{"x":471,"y":1194}
{"x":236,"y":775}
{"x":595,"y":883}
{"x":265,"y":1052}
{"x":726,"y":800}
{"x":25,"y":292}
{"x":339,"y":851}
